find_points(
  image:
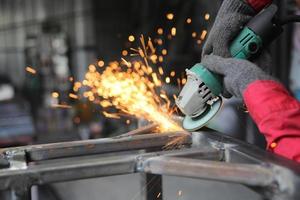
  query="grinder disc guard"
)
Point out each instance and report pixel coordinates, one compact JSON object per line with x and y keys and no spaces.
{"x":193,"y":124}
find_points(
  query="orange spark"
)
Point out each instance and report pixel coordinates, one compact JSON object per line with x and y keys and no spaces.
{"x":131,"y":38}
{"x":194,"y":34}
{"x":61,"y":106}
{"x":111,"y":115}
{"x":164,"y":52}
{"x":55,"y":94}
{"x":170,"y":16}
{"x":173,"y":31}
{"x":160,"y":31}
{"x":203,"y":34}
{"x":158,"y":195}
{"x":101,"y":63}
{"x":132,"y":92}
{"x":206,"y":16}
{"x":172,"y":74}
{"x":188,"y":20}
{"x":161,"y":71}
{"x":30,"y":70}
{"x":168,"y":80}
{"x":124,"y":53}
{"x":73,"y":96}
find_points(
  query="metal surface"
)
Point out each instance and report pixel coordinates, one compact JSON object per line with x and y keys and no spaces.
{"x":203,"y":155}
{"x":89,"y":147}
{"x":252,"y":175}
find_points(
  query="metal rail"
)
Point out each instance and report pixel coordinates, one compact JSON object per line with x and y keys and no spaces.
{"x":252,"y":175}
{"x":205,"y":155}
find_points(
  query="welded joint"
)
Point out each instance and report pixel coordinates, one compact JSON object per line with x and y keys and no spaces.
{"x":140,"y":163}
{"x":17,"y":159}
{"x":286,"y":184}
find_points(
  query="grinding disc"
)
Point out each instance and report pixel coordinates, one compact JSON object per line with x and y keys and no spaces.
{"x":193,"y":124}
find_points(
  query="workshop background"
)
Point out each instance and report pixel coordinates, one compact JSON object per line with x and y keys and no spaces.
{"x":46,"y":46}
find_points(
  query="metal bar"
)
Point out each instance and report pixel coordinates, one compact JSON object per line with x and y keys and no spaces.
{"x":204,"y":153}
{"x":67,"y":171}
{"x":84,"y":167}
{"x":140,"y":131}
{"x":89,"y":147}
{"x":251,"y":175}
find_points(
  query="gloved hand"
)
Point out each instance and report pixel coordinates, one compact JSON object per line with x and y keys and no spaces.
{"x":237,"y":74}
{"x":232,"y":16}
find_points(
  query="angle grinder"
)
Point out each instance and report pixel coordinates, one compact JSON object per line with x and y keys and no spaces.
{"x":200,"y":98}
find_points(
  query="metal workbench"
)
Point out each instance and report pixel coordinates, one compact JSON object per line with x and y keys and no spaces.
{"x":204,"y":155}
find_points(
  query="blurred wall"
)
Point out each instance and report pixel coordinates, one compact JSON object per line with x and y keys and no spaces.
{"x":19,"y":18}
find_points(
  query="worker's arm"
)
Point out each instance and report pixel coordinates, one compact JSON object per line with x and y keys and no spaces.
{"x":277,"y":115}
{"x":274,"y":110}
{"x":258,"y":5}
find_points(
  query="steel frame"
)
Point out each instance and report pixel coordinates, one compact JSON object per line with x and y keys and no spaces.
{"x":204,"y":155}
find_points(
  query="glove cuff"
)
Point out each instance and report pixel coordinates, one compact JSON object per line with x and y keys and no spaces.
{"x":243,"y":84}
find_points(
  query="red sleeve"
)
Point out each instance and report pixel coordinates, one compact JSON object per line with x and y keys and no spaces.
{"x":277,"y":115}
{"x":258,"y":5}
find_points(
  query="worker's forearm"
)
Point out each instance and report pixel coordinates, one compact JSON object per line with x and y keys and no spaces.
{"x":258,"y":5}
{"x":288,"y":147}
{"x":277,"y":115}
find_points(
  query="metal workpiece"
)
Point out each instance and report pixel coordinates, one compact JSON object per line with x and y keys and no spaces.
{"x":206,"y":155}
{"x":98,"y":146}
{"x":251,"y":175}
{"x":66,"y":171}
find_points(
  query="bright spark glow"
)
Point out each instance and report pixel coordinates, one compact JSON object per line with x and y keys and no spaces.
{"x":170,"y":16}
{"x":101,"y":63}
{"x":273,"y":145}
{"x":131,"y":38}
{"x":194,"y":34}
{"x":172,"y":74}
{"x":61,"y":106}
{"x":124,"y":53}
{"x":188,"y":20}
{"x":55,"y":95}
{"x":161,"y":71}
{"x":203,"y":34}
{"x":160,"y":31}
{"x":132,"y":88}
{"x":206,"y":16}
{"x":164,"y":52}
{"x":168,"y":80}
{"x":161,"y":58}
{"x":159,"y":41}
{"x":173,"y":31}
{"x":73,"y":96}
{"x":30,"y":70}
{"x":158,"y":195}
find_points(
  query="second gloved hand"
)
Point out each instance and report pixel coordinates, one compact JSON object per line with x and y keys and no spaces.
{"x":232,"y":16}
{"x":237,"y":74}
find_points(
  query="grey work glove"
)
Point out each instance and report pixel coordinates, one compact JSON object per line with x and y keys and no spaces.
{"x":232,"y":16}
{"x":237,"y":74}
